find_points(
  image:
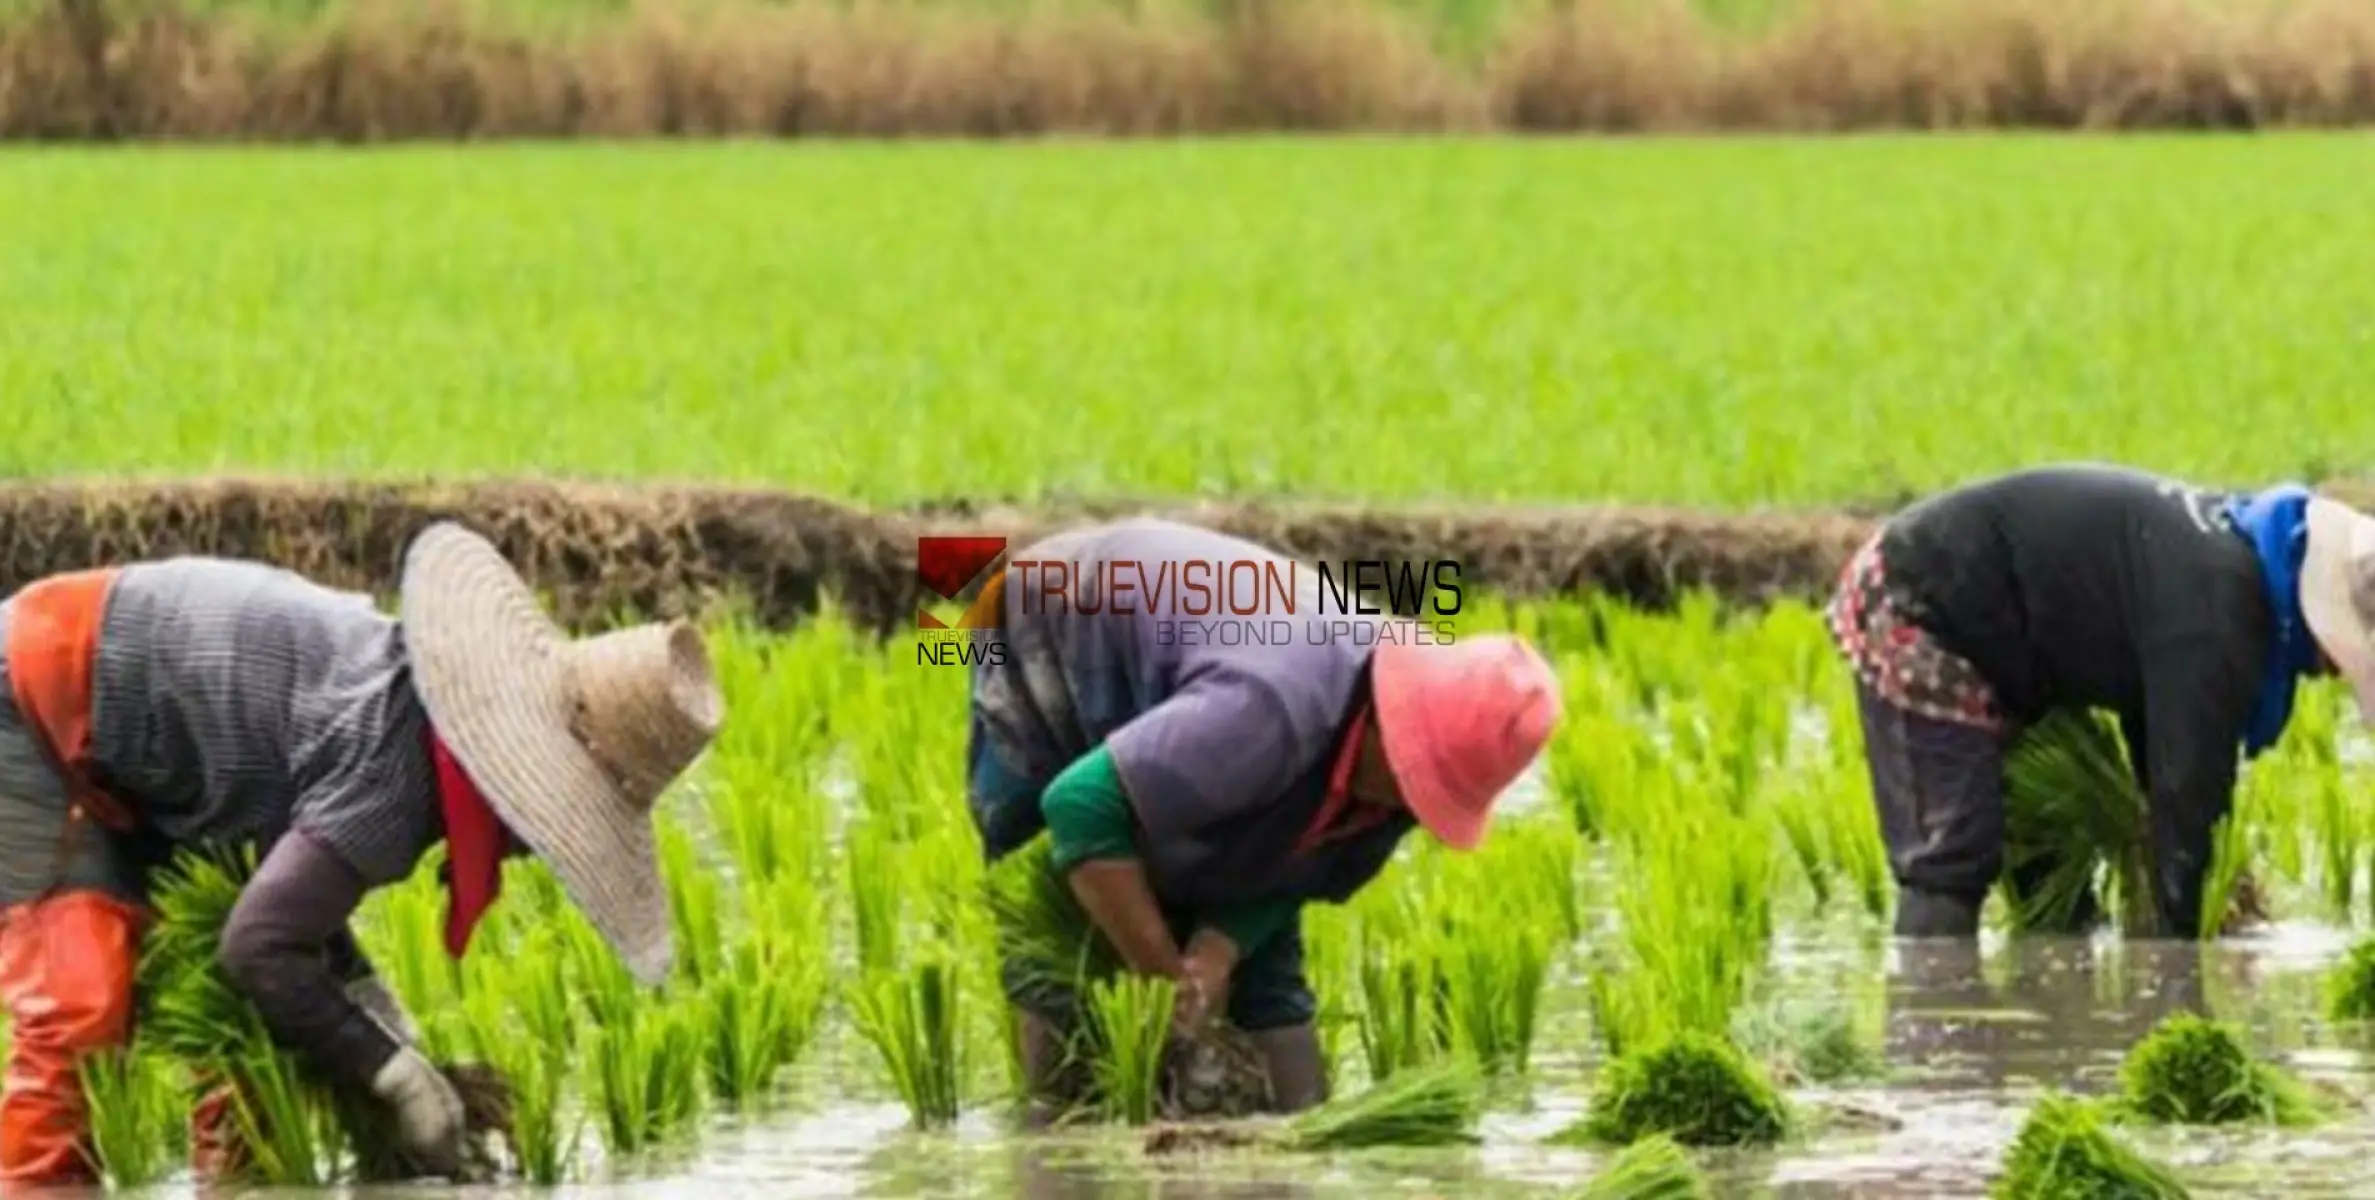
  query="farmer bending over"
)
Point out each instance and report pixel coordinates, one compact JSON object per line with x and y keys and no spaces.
{"x":1199,"y":788}
{"x":202,"y":701}
{"x":2187,"y":613}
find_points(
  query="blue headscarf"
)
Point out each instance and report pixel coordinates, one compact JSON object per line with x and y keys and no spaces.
{"x":2276,"y":524}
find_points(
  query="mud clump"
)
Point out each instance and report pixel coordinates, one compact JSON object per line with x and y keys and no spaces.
{"x":486,"y":1116}
{"x":152,"y":69}
{"x":1217,"y":1074}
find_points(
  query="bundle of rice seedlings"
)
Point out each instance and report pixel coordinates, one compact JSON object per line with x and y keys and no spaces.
{"x":138,"y":1115}
{"x":1045,"y":934}
{"x":2350,"y":989}
{"x":2064,"y":1152}
{"x":2071,"y":804}
{"x":1697,"y":1089}
{"x":292,"y":1123}
{"x":1434,"y":1105}
{"x":2193,"y":1071}
{"x":1654,"y":1168}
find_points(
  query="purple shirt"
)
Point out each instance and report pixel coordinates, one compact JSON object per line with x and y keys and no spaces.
{"x":1204,"y":664}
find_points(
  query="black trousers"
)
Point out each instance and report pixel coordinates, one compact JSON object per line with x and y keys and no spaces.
{"x":1939,"y":790}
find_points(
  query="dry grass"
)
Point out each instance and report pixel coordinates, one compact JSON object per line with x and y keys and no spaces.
{"x":81,"y":69}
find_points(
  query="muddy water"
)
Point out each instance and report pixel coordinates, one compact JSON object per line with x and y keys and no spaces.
{"x":1969,"y":1037}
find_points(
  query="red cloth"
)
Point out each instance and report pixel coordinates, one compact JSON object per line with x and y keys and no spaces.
{"x":474,"y":844}
{"x":1332,"y":821}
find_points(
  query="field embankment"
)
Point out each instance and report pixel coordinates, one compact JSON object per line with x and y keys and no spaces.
{"x":162,"y":69}
{"x":602,"y":551}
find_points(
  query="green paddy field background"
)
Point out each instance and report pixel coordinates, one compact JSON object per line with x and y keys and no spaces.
{"x":1708,"y":322}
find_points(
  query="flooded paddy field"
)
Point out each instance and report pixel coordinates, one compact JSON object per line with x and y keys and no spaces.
{"x":1696,"y":854}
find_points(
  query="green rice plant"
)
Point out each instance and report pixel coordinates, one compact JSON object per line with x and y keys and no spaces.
{"x":2350,"y":986}
{"x":1127,"y":1027}
{"x":2227,"y":890}
{"x":403,"y":931}
{"x":609,"y":992}
{"x":138,"y":1114}
{"x":1331,"y":955}
{"x":695,"y":904}
{"x":1698,"y":1090}
{"x":2070,"y":799}
{"x":1041,"y":927}
{"x":2064,"y":1151}
{"x":878,"y":890}
{"x":1697,"y":922}
{"x":2193,"y":1071}
{"x":764,"y":1008}
{"x":1405,"y":1005}
{"x":1435,"y":1105}
{"x":1495,"y":965}
{"x":546,"y":1133}
{"x":1831,"y":1044}
{"x":910,"y":1016}
{"x":648,"y":1072}
{"x":2338,"y":832}
{"x":508,"y":1013}
{"x":1654,"y":1168}
{"x":288,"y":1132}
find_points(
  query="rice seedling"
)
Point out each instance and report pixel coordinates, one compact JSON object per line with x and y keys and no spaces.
{"x":2350,"y":986}
{"x":545,"y":1134}
{"x":2193,"y":1071}
{"x":648,"y":1072}
{"x":1128,"y":1026}
{"x":285,"y":1131}
{"x":1697,"y":922}
{"x":1699,"y":1090}
{"x":764,"y":1008}
{"x":2065,"y":1152}
{"x":1654,"y":1168}
{"x":1436,"y":1105}
{"x":910,"y":1016}
{"x":1405,"y":1019}
{"x":2071,"y":804}
{"x":695,"y":898}
{"x":1494,"y":972}
{"x":137,"y":1113}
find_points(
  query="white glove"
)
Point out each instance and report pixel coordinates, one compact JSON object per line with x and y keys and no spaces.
{"x":376,"y":1001}
{"x":429,"y":1116}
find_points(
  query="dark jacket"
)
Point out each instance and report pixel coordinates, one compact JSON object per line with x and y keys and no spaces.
{"x":2109,"y":588}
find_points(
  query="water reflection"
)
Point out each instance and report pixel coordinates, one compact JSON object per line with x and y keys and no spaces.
{"x":1044,"y":1172}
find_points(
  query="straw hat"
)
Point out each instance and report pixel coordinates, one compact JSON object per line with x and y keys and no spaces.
{"x":571,"y":741}
{"x":2338,"y":594}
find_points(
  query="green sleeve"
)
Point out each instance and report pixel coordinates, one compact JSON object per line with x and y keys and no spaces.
{"x":1250,"y":925}
{"x":1088,"y":814}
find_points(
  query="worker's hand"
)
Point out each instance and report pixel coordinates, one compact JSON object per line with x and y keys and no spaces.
{"x":429,"y":1116}
{"x":1203,"y":980}
{"x":373,"y":997}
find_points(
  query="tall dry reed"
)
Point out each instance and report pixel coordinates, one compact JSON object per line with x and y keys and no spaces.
{"x":379,"y":69}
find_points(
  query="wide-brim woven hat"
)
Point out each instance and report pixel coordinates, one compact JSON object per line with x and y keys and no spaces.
{"x":2338,"y":594}
{"x":571,"y":741}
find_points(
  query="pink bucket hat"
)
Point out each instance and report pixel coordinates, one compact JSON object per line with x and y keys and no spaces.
{"x":1461,"y":721}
